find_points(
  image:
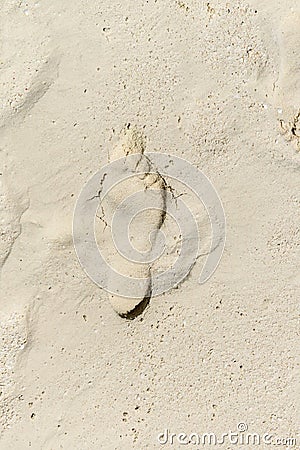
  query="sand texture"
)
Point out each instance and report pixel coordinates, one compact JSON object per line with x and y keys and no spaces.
{"x":218,"y":84}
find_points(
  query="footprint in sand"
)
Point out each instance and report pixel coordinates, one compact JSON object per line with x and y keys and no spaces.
{"x":134,"y":235}
{"x":144,"y":226}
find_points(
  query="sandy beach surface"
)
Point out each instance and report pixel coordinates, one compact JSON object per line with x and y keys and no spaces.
{"x":218,"y":84}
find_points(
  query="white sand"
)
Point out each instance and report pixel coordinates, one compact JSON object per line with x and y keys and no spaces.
{"x":217,"y":83}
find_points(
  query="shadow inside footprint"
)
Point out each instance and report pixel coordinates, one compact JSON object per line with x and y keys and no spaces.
{"x":138,"y":310}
